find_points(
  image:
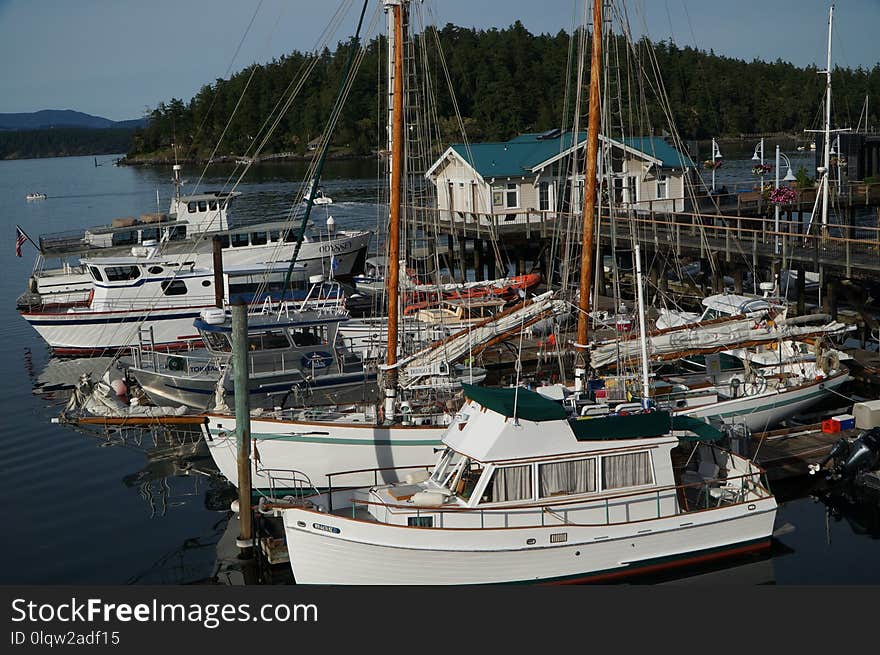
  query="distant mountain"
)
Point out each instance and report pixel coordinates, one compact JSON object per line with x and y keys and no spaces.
{"x":56,"y":118}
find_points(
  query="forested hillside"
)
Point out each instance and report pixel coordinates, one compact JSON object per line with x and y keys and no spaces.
{"x":506,"y":81}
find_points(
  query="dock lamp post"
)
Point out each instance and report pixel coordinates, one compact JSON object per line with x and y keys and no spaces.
{"x":789,"y":177}
{"x":759,"y":157}
{"x":716,"y":155}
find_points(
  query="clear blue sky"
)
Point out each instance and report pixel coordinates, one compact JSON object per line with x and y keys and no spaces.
{"x":113,"y":58}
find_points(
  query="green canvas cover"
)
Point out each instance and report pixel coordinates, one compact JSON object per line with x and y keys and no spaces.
{"x":703,"y":431}
{"x":615,"y":426}
{"x":530,"y":406}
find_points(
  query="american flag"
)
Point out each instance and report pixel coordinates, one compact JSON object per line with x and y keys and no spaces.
{"x":20,"y":238}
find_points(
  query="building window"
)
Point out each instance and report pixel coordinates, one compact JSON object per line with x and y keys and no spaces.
{"x":510,"y":483}
{"x":566,"y":478}
{"x":174,"y":288}
{"x":627,"y":470}
{"x":544,"y":196}
{"x":661,"y":186}
{"x":511,"y":195}
{"x":497,"y":196}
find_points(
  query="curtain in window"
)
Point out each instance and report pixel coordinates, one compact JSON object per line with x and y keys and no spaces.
{"x":628,"y":470}
{"x":512,"y":483}
{"x":563,"y":478}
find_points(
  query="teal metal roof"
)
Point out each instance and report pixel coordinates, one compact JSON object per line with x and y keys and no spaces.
{"x":657,"y":147}
{"x":514,"y":158}
{"x":521,"y":154}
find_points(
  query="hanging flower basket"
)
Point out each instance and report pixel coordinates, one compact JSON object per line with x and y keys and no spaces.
{"x":761,"y":169}
{"x":782,"y":196}
{"x":711,"y":164}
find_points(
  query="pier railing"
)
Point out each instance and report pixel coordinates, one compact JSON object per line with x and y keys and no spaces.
{"x":707,"y":234}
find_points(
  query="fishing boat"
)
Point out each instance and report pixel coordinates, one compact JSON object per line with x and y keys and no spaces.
{"x":294,"y":356}
{"x":154,"y":298}
{"x":524,"y":493}
{"x":185,"y":233}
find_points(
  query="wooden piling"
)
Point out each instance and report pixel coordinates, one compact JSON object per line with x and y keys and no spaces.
{"x":242,"y":427}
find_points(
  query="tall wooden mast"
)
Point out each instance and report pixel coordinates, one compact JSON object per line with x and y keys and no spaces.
{"x":589,"y":194}
{"x":396,"y":174}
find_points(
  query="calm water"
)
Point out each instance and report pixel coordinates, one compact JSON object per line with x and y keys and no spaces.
{"x":94,"y":508}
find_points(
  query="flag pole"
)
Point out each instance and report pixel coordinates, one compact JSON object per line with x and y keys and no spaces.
{"x":40,"y":250}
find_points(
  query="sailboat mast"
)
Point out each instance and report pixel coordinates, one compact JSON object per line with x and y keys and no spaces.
{"x":589,"y":190}
{"x":396,"y":174}
{"x":827,"y":154}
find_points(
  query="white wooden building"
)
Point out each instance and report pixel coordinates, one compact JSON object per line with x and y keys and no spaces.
{"x":529,"y":177}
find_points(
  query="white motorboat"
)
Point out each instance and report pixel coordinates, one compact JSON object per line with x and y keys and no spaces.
{"x":36,"y":196}
{"x":185,"y":234}
{"x":153,"y":298}
{"x":523,"y":493}
{"x":294,"y":357}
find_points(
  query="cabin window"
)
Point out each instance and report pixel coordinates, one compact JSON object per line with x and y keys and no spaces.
{"x":206,"y":283}
{"x":120,"y":273}
{"x":510,"y":483}
{"x":96,"y":273}
{"x":627,"y":470}
{"x":446,"y":467}
{"x":191,"y":207}
{"x":173,"y":287}
{"x":259,"y":238}
{"x":566,"y":478}
{"x":420,"y":521}
{"x":212,"y":205}
{"x":274,"y":235}
{"x":156,"y":270}
{"x":269,"y":340}
{"x":239,"y":240}
{"x":661,"y":186}
{"x":224,"y":240}
{"x":149,"y":233}
{"x":290,"y":236}
{"x":177,"y":233}
{"x":544,"y":196}
{"x":305,"y":338}
{"x":203,"y":205}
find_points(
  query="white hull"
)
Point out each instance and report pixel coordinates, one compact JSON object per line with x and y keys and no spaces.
{"x":764,"y":411}
{"x":366,"y":553}
{"x":82,"y":332}
{"x":316,"y":449}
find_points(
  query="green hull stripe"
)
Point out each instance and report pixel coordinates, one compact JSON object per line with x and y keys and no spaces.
{"x":761,"y":408}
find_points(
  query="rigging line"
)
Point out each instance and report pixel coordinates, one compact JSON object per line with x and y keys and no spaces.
{"x":342,"y":94}
{"x":214,"y":97}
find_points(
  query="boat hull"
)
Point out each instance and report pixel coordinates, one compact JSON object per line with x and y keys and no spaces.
{"x":763,"y":412}
{"x":266,"y":391}
{"x":88,"y":332}
{"x":316,"y":449}
{"x":364,"y":553}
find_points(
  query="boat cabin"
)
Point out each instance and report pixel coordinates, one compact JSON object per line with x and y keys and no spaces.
{"x":512,"y":456}
{"x":730,"y":304}
{"x":127,"y":283}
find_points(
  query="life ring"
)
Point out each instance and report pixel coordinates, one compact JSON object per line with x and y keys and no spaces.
{"x":176,"y":363}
